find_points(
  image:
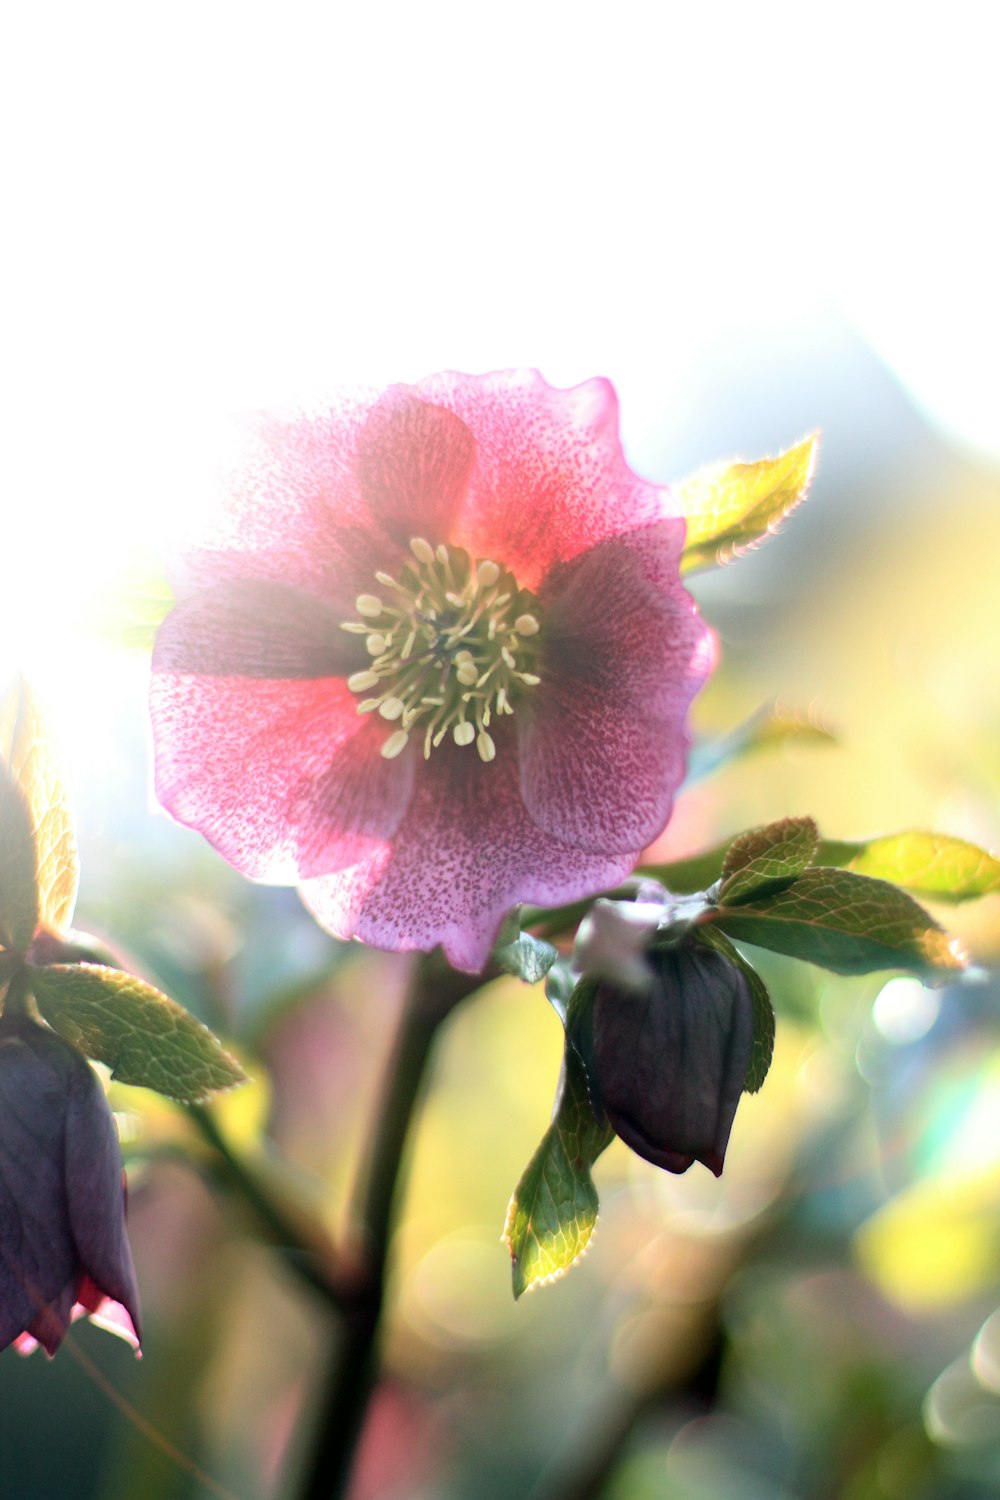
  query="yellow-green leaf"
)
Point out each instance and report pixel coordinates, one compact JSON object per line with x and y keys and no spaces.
{"x":933,"y":865}
{"x":769,"y":728}
{"x":132,"y":607}
{"x":553,"y":1209}
{"x":26,"y":748}
{"x":731,"y":507}
{"x":18,"y":893}
{"x":144,"y":1037}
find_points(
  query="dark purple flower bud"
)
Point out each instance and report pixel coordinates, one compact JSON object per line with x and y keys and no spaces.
{"x":671,"y":1063}
{"x":63,"y":1247}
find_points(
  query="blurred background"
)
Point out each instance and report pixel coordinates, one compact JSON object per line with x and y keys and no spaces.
{"x":757,"y":221}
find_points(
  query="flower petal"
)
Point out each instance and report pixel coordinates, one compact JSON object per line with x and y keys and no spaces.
{"x":283,"y":777}
{"x":414,"y":461}
{"x":603,"y":751}
{"x":465,"y":853}
{"x":550,"y":479}
{"x":38,"y":1266}
{"x":95,"y":1195}
{"x":253,"y":628}
{"x":288,"y":506}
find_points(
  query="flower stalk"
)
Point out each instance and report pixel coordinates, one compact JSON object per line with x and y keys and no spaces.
{"x":353,"y":1370}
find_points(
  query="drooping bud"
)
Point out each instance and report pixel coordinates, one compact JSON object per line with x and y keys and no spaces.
{"x":63,"y":1247}
{"x":671,"y":1062}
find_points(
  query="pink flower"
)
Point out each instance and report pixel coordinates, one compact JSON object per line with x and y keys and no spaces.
{"x":63,"y":1247}
{"x":431,"y":658}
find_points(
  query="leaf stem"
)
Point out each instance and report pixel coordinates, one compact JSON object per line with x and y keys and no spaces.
{"x":353,"y":1370}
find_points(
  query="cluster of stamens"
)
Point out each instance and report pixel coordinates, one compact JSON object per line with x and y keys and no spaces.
{"x":453,"y":643}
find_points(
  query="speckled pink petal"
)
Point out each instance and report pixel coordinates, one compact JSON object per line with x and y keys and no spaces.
{"x":283,"y":777}
{"x":465,"y":853}
{"x":550,"y":479}
{"x":288,"y":507}
{"x":414,"y":460}
{"x":602,"y":751}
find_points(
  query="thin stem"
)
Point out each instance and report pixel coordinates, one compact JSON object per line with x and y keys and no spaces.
{"x":307,"y":1249}
{"x":353,"y":1372}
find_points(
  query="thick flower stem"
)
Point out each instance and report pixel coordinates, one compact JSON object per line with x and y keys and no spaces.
{"x":353,"y":1371}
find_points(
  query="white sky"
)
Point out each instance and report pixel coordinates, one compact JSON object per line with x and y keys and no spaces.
{"x":214,"y":206}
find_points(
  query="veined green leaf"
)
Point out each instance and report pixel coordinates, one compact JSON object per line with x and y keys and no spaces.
{"x":144,"y":1037}
{"x":732,"y":507}
{"x":766,"y":857}
{"x":845,"y":922}
{"x":27,"y":750}
{"x":553,"y":1209}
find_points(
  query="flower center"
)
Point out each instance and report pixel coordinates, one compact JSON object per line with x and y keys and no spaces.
{"x":454,"y":643}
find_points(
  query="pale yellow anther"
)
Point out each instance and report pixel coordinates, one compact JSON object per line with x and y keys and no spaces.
{"x":449,"y":652}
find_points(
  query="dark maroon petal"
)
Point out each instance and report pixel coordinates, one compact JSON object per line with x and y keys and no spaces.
{"x":95,"y":1193}
{"x":550,"y":479}
{"x":38,"y":1265}
{"x":671,"y":1063}
{"x":413,"y":465}
{"x":258,"y":629}
{"x":280,"y":776}
{"x":465,"y":853}
{"x":603,"y":749}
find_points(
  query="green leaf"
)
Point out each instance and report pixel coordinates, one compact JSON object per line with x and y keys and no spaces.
{"x":845,"y":922}
{"x":18,"y":890}
{"x":732,"y":507}
{"x":933,"y":865}
{"x":766,"y":858}
{"x":553,"y":1210}
{"x":145,"y":1038}
{"x":527,"y":957}
{"x":770,"y":727}
{"x":763,"y":1010}
{"x":27,"y":750}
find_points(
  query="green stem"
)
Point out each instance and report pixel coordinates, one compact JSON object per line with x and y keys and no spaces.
{"x":309,"y":1252}
{"x":353,"y":1371}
